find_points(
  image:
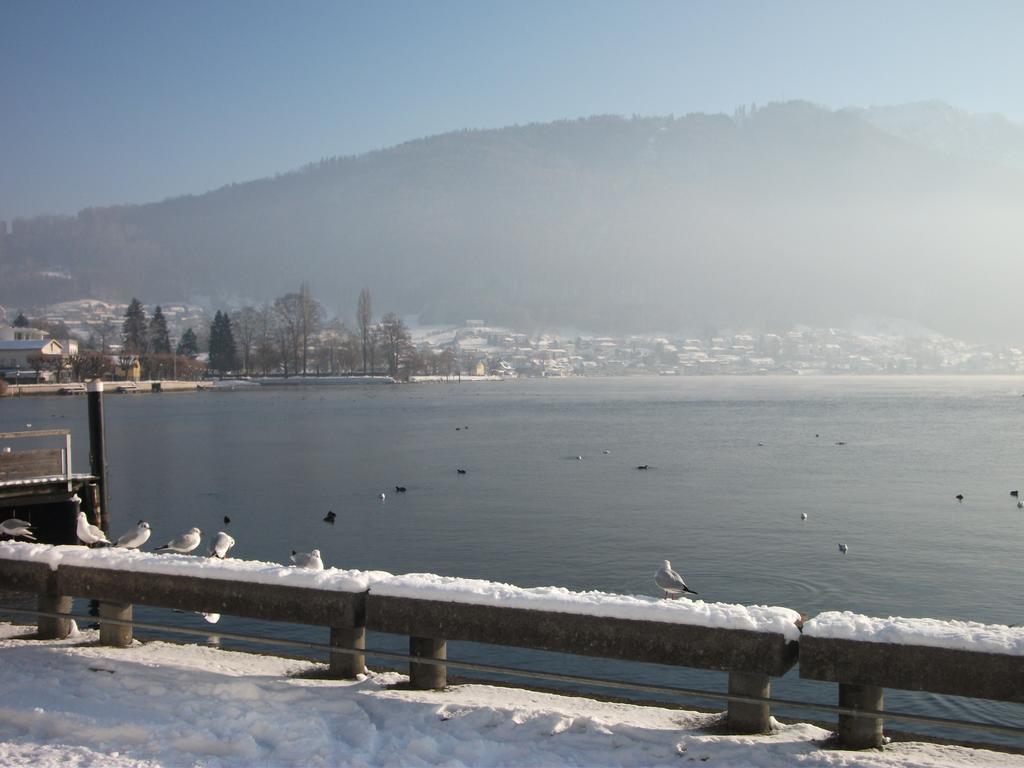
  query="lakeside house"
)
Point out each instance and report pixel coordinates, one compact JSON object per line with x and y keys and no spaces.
{"x":21,"y":360}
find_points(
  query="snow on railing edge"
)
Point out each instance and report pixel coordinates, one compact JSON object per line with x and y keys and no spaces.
{"x":933,"y":633}
{"x":757,"y":618}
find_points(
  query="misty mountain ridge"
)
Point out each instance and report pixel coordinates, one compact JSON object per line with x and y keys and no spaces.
{"x":776,"y":215}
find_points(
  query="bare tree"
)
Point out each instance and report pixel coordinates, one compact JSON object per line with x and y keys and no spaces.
{"x":288,"y":309}
{"x":448,"y":362}
{"x":89,"y":365}
{"x":37,"y":363}
{"x":395,"y":342}
{"x":311,"y":316}
{"x":245,"y":325}
{"x":374,"y":346}
{"x":330,"y":346}
{"x":267,"y":353}
{"x":364,"y":326}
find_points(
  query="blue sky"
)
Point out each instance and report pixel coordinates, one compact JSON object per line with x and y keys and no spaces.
{"x":113,"y":102}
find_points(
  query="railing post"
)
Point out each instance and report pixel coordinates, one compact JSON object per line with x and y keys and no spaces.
{"x":98,"y":449}
{"x":348,"y":665}
{"x":49,"y":627}
{"x":860,"y":732}
{"x":743,"y":717}
{"x":428,"y":676}
{"x":116,"y":635}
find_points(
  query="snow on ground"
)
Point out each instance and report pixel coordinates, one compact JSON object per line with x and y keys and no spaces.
{"x":965,"y":635}
{"x":72,"y":703}
{"x":425,"y":586}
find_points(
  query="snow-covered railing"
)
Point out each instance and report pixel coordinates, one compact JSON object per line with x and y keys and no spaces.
{"x":864,"y":655}
{"x":751,"y":643}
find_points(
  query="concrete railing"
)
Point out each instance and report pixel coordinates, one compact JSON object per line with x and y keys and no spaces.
{"x":751,"y":658}
{"x":863,"y":669}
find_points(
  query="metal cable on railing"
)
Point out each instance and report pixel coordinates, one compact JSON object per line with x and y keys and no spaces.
{"x":548,"y":676}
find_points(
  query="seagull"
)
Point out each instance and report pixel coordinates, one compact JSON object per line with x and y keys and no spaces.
{"x":579,"y":458}
{"x":227,"y":520}
{"x":843,"y":548}
{"x":461,"y":471}
{"x":184,"y":543}
{"x":400,"y":489}
{"x":309,"y":560}
{"x":221,"y":544}
{"x":15,"y":527}
{"x":135,"y":537}
{"x":670,"y":582}
{"x":382,"y":497}
{"x":803,"y":515}
{"x":605,"y":451}
{"x":960,"y":498}
{"x":89,"y":533}
{"x":643,"y":466}
{"x":329,"y":517}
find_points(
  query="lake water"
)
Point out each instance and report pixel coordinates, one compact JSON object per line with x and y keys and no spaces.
{"x":733,"y":464}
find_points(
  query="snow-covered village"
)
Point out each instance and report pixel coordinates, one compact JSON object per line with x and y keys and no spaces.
{"x":43,"y":345}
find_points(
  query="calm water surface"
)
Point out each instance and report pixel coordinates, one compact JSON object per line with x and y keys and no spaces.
{"x":733,"y":464}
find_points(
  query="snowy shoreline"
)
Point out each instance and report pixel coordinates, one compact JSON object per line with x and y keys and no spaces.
{"x":74,"y":703}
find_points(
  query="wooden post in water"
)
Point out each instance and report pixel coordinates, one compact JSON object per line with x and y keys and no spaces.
{"x":425,"y":677}
{"x":98,"y":449}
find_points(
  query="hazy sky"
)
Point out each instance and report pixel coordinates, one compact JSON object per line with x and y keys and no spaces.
{"x":110,"y":102}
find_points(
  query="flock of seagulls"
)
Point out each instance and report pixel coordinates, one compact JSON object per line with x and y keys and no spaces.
{"x":136,"y":536}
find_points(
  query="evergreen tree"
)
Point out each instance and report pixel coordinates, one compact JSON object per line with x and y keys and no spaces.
{"x":223,"y":353}
{"x":21,"y":321}
{"x":159,"y":339}
{"x":134,"y":329}
{"x":189,"y":344}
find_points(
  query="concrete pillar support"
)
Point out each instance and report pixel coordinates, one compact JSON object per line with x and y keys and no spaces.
{"x":49,"y":628}
{"x":744,"y":717}
{"x":428,"y":676}
{"x":116,"y":635}
{"x":348,"y":665}
{"x":860,"y":732}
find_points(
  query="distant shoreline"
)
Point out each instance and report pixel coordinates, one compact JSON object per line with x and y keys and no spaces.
{"x":234,"y":385}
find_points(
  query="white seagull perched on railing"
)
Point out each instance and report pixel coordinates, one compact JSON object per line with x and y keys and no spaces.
{"x":15,"y":527}
{"x":89,"y":533}
{"x":184,"y":543}
{"x":135,"y":537}
{"x":309,"y":560}
{"x":221,"y":544}
{"x":670,"y":582}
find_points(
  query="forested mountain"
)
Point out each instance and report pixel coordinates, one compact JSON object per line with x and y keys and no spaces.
{"x":787,"y":213}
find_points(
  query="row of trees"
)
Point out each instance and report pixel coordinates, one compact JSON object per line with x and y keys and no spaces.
{"x":291,"y":335}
